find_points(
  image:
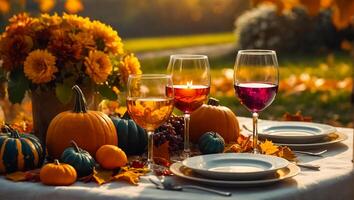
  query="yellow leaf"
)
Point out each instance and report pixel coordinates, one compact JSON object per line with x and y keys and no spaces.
{"x":268,"y":147}
{"x":286,"y":153}
{"x":73,"y":6}
{"x":101,"y":176}
{"x":129,"y":176}
{"x":17,"y":176}
{"x":343,"y":12}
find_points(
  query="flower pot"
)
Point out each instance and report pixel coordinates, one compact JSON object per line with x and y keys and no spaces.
{"x":45,"y":106}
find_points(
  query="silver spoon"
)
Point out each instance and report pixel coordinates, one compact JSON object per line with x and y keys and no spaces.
{"x":167,"y":183}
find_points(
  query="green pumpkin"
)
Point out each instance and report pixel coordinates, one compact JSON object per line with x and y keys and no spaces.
{"x":80,"y":159}
{"x":132,"y":139}
{"x":19,"y":151}
{"x":211,"y":142}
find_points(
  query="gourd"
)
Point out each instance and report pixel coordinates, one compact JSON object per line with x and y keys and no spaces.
{"x":89,"y":129}
{"x":80,"y":159}
{"x":213,"y":117}
{"x":58,"y":174}
{"x":111,"y":157}
{"x":19,"y":151}
{"x":132,"y":138}
{"x":211,"y":142}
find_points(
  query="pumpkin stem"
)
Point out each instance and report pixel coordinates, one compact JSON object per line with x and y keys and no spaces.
{"x":213,"y":102}
{"x":56,"y":161}
{"x":73,"y":144}
{"x":80,"y":105}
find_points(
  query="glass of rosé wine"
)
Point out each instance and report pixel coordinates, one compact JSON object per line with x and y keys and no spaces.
{"x":256,"y":82}
{"x":150,"y":104}
{"x":191,"y":85}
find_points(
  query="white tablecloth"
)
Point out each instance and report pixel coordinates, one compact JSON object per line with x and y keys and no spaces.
{"x":335,"y":180}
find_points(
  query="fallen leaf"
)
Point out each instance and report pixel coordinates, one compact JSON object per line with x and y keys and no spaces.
{"x":286,"y":153}
{"x":268,"y":147}
{"x":17,"y":176}
{"x":128,"y":176}
{"x":102,"y":176}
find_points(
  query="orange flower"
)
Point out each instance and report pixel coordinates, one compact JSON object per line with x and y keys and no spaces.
{"x":14,"y":50}
{"x":77,"y":22}
{"x":40,"y":66}
{"x":98,"y":66}
{"x":129,"y":65}
{"x":106,"y":38}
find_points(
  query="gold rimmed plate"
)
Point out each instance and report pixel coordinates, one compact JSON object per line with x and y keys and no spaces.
{"x":330,"y":139}
{"x":282,"y":174}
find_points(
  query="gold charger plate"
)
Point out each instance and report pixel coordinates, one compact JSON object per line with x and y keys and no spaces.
{"x":332,"y":138}
{"x":282,"y":174}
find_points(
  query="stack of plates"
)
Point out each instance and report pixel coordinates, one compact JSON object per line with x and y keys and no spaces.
{"x":235,"y":169}
{"x":300,"y":135}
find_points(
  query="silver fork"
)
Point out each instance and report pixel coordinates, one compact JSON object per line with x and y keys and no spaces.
{"x":311,"y":153}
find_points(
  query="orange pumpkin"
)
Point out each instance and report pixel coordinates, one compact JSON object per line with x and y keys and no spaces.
{"x":89,"y":129}
{"x":111,"y":157}
{"x":57,"y":174}
{"x":215,"y":118}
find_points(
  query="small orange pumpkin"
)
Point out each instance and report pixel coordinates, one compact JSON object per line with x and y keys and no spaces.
{"x":215,"y":118}
{"x":57,"y":174}
{"x":111,"y":157}
{"x":89,"y":129}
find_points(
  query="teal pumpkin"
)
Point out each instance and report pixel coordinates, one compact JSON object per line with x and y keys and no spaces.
{"x":19,"y":151}
{"x":211,"y":142}
{"x":132,"y":139}
{"x":80,"y":159}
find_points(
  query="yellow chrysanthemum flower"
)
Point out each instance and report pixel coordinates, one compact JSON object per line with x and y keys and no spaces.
{"x":40,"y":66}
{"x":98,"y":66}
{"x":77,"y":22}
{"x":129,"y":65}
{"x":51,"y":20}
{"x":103,"y":33}
{"x":20,"y":24}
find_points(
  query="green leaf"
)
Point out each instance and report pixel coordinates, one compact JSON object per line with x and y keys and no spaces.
{"x":63,"y":91}
{"x":107,"y":92}
{"x":17,"y":86}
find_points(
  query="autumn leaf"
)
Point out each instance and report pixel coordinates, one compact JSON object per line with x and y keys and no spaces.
{"x":17,"y":176}
{"x":343,"y":12}
{"x":286,"y":153}
{"x":102,"y":176}
{"x":268,"y":147}
{"x":131,"y":175}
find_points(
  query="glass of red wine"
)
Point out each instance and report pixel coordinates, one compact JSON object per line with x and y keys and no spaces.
{"x":256,"y":82}
{"x":191,"y":85}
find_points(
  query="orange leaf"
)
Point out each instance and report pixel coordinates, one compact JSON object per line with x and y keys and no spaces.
{"x":343,"y":12}
{"x":268,"y":147}
{"x":17,"y":176}
{"x":286,"y":153}
{"x":73,"y":6}
{"x":128,"y":176}
{"x":101,"y":176}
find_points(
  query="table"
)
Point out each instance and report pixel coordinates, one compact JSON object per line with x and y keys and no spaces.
{"x":335,"y":180}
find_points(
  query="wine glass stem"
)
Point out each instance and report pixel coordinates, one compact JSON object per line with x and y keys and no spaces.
{"x":186,"y":149}
{"x":255,"y":133}
{"x":150,"y":157}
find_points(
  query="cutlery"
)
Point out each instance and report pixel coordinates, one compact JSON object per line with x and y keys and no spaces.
{"x":312,"y":153}
{"x":168,"y":184}
{"x":308,"y":166}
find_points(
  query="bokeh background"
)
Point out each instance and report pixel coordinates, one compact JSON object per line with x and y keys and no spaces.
{"x":313,"y":40}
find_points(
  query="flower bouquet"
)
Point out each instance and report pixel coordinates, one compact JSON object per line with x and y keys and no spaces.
{"x":47,"y":55}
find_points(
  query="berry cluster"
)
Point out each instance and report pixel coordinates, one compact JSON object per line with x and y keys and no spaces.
{"x":172,"y":130}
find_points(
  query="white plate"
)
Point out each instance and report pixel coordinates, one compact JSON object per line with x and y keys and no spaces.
{"x":294,"y":132}
{"x":282,"y":174}
{"x":332,"y":138}
{"x":235,"y":166}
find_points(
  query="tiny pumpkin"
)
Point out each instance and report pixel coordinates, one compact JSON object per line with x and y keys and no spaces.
{"x":211,"y":142}
{"x":57,"y":174}
{"x":19,"y":152}
{"x":111,"y":157}
{"x":213,"y":117}
{"x":89,"y":129}
{"x":132,"y":138}
{"x":80,"y":159}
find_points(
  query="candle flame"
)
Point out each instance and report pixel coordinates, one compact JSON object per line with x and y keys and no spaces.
{"x":189,"y":84}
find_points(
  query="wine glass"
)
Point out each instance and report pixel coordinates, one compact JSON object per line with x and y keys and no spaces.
{"x":191,"y":79}
{"x":256,"y":82}
{"x":150,"y":104}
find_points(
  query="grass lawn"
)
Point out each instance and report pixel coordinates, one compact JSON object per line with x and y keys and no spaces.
{"x":328,"y":106}
{"x":160,"y":43}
